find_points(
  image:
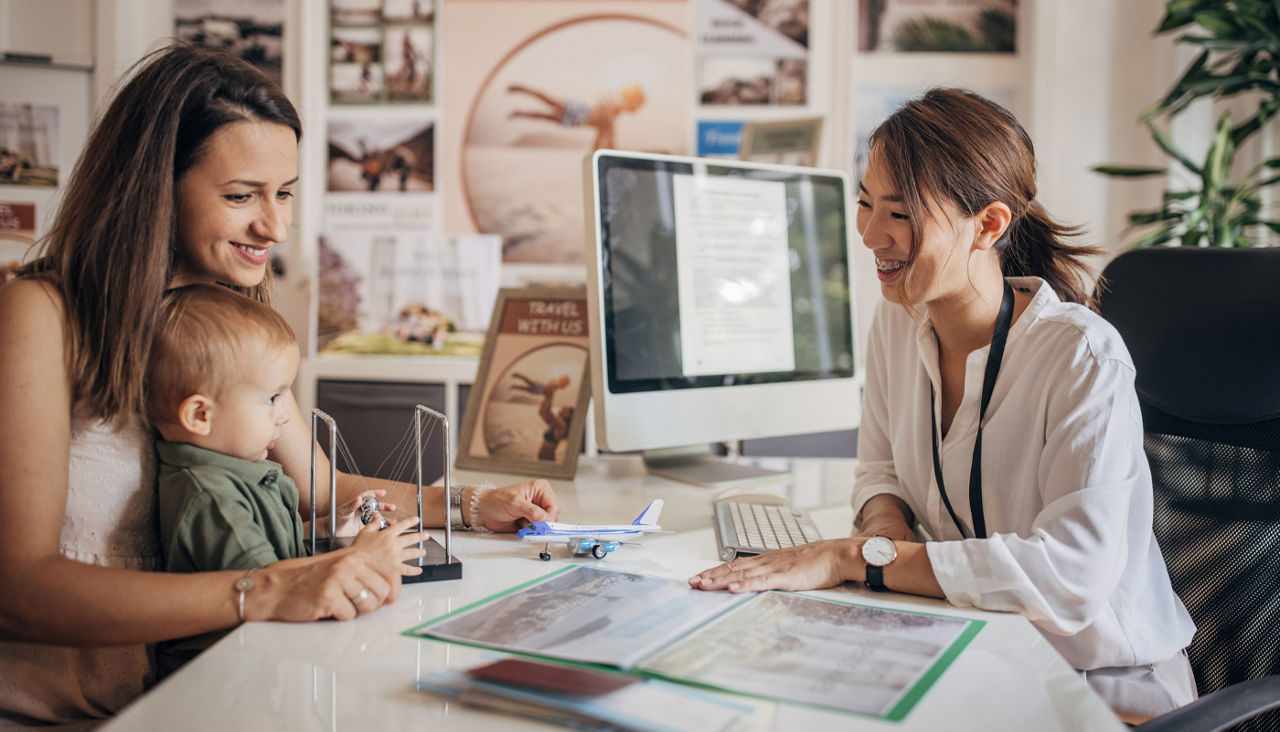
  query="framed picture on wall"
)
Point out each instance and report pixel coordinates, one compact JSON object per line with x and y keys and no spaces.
{"x":528,"y":406}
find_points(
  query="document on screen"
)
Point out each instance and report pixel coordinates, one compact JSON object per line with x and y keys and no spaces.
{"x":734,"y":271}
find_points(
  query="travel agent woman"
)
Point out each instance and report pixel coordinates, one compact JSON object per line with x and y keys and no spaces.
{"x":187,"y":177}
{"x":999,"y":417}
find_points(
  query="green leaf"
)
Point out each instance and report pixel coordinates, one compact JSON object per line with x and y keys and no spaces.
{"x":1220,"y":44}
{"x":1156,"y":237}
{"x":1167,"y":145}
{"x":1194,"y":218}
{"x":1180,"y":195}
{"x":1190,"y":80}
{"x":1266,"y":110}
{"x":1150,"y":217}
{"x":1177,"y":14}
{"x":1126,"y":171}
{"x":1221,"y":152}
{"x":1216,"y":23}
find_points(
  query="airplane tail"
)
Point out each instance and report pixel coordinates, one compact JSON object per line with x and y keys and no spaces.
{"x":650,"y":514}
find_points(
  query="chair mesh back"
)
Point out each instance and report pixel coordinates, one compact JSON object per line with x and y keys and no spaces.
{"x":1217,"y":518}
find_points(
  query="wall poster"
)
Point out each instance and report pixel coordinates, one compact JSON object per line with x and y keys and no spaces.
{"x":938,"y":26}
{"x":382,"y":51}
{"x":252,"y":29}
{"x":29,"y":144}
{"x":753,"y":52}
{"x":527,"y":99}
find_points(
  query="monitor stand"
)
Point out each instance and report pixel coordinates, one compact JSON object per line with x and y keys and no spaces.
{"x":697,"y":465}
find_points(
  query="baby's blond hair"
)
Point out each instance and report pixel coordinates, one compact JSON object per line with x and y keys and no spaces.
{"x":207,"y":335}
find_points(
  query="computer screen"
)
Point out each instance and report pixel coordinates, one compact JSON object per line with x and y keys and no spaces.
{"x":720,"y":300}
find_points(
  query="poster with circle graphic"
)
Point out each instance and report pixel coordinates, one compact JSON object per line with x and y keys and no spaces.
{"x":527,"y":99}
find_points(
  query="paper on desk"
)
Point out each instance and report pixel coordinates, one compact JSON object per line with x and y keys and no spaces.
{"x":648,"y":705}
{"x":585,"y":614}
{"x":820,"y":652}
{"x":781,"y":646}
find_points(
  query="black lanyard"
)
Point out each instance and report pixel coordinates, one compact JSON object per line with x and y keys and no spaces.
{"x":994,"y":357}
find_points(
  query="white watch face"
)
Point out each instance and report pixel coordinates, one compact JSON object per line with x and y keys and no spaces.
{"x":879,"y":551}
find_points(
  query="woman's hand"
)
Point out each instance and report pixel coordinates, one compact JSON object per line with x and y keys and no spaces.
{"x":805,"y":567}
{"x":508,"y":508}
{"x":341,"y":584}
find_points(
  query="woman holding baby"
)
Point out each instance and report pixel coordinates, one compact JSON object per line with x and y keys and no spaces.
{"x":195,"y":189}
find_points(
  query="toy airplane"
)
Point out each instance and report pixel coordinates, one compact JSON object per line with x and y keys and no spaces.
{"x":597,"y":540}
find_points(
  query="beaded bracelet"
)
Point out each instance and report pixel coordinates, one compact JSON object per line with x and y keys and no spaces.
{"x":455,"y":507}
{"x":476,"y":524}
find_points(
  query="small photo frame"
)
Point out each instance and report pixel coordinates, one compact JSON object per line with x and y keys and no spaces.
{"x":783,"y":142}
{"x":528,"y":405}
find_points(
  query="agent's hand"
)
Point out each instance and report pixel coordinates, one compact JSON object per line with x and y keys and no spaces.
{"x":510,"y":507}
{"x":805,"y":567}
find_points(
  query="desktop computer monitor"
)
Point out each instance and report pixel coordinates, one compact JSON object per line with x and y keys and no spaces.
{"x":720,"y":306}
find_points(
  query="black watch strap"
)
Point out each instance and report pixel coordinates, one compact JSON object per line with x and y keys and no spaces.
{"x":875,"y":578}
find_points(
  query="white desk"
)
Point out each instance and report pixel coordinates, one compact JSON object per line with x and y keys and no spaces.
{"x":360,"y":675}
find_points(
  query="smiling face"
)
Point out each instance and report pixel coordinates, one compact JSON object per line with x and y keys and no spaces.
{"x":235,"y":203}
{"x":247,"y":418}
{"x":940,"y":267}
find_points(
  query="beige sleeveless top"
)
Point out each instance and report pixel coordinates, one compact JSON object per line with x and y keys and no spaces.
{"x":110,"y":521}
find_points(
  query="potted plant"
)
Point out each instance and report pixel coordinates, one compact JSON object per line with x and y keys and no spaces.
{"x":1240,"y":42}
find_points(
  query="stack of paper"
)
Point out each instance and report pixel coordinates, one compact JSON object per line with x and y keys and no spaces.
{"x":590,"y":699}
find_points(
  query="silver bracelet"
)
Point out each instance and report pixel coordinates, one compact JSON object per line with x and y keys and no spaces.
{"x":243,"y":585}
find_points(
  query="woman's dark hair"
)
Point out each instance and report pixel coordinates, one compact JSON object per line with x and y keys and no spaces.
{"x":955,"y":145}
{"x":113,"y":245}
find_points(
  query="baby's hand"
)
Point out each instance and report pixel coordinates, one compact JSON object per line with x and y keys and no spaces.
{"x":389,"y":550}
{"x":367,"y":509}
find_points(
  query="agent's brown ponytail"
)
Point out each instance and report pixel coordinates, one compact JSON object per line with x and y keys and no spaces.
{"x":1035,"y":247}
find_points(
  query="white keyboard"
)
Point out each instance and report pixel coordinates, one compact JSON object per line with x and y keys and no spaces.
{"x":744,"y":529}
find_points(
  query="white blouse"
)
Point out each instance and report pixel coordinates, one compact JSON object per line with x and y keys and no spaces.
{"x":1065,"y":482}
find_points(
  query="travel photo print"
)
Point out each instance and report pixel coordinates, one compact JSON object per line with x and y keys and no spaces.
{"x":527,"y":410}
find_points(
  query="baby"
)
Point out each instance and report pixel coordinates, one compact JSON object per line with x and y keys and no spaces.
{"x":219,"y":374}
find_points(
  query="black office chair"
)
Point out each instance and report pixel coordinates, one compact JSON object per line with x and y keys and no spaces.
{"x":1203,"y":326}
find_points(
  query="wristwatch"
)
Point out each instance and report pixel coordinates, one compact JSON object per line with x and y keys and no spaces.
{"x":878,"y":552}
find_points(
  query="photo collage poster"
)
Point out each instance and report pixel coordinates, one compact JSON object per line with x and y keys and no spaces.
{"x":390,"y":281}
{"x":753,"y":60}
{"x":382,"y":51}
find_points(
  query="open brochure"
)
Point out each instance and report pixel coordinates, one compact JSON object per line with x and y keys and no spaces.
{"x":774,"y":645}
